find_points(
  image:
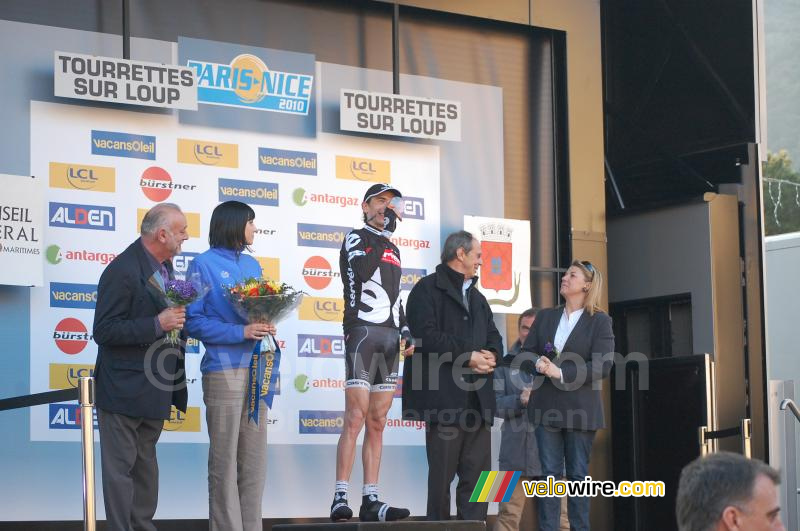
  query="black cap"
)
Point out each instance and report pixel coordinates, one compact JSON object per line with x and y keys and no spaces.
{"x":377,"y":189}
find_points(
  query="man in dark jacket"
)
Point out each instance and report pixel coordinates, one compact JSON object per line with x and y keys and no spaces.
{"x":448,"y":381}
{"x":138,"y":375}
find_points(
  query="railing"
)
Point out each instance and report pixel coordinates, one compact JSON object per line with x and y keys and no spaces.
{"x":85,"y":396}
{"x":789,"y":403}
{"x":707,"y":437}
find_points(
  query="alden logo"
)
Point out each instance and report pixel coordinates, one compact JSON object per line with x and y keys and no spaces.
{"x":113,"y":144}
{"x":82,"y":216}
{"x":64,"y":295}
{"x":317,"y":346}
{"x":65,"y":375}
{"x":208,"y":153}
{"x":310,"y":235}
{"x":358,"y":169}
{"x":320,"y":421}
{"x":248,"y":83}
{"x":286,"y":161}
{"x":414,"y":208}
{"x":180,"y":264}
{"x":82,"y":177}
{"x":68,"y":417}
{"x":254,"y":193}
{"x":409,"y":277}
{"x":321,"y":309}
{"x":180,"y":421}
{"x":192,"y":221}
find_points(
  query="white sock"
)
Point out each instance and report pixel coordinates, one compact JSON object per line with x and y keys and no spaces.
{"x":342,"y":486}
{"x":370,"y":489}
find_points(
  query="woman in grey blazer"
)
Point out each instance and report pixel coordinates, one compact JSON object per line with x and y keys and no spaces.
{"x":569,"y":343}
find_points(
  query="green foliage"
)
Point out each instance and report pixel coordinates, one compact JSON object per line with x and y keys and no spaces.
{"x":781,"y":193}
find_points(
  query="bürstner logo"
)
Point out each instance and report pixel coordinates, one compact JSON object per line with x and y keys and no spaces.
{"x":311,"y":235}
{"x":82,"y":216}
{"x":208,"y":153}
{"x":320,"y":421}
{"x":71,"y":336}
{"x":248,"y":83}
{"x":114,"y":144}
{"x":287,"y":161}
{"x":65,"y":295}
{"x":414,"y":208}
{"x":317,"y":272}
{"x":301,"y":198}
{"x":254,"y":193}
{"x":320,"y":346}
{"x":156,"y":184}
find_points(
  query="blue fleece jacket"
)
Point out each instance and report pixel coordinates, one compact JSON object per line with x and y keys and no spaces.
{"x":213,"y":319}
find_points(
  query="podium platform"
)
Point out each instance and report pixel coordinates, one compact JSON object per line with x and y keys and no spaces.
{"x":400,"y":525}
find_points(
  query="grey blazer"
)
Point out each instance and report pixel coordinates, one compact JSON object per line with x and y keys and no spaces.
{"x":576,"y":404}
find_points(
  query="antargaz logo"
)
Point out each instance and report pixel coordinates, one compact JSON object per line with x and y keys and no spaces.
{"x":81,"y":216}
{"x":157,"y":185}
{"x":248,"y":83}
{"x":301,"y":383}
{"x":360,"y":169}
{"x":71,"y":336}
{"x":320,"y":421}
{"x":301,"y":198}
{"x":311,"y":235}
{"x":82,"y":177}
{"x":320,"y":346}
{"x":317,"y":272}
{"x":287,"y":161}
{"x":65,"y":295}
{"x":254,"y":193}
{"x":321,"y":309}
{"x":114,"y":144}
{"x":208,"y":153}
{"x":54,"y":255}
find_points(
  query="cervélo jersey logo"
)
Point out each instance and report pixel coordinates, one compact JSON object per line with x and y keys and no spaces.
{"x":82,"y":177}
{"x":68,"y":417}
{"x":81,"y":216}
{"x":287,"y":161}
{"x":311,"y":421}
{"x":311,"y":235}
{"x":321,"y":309}
{"x":71,"y":336}
{"x":251,"y":192}
{"x":156,"y":184}
{"x":208,"y":153}
{"x":318,"y":273}
{"x":248,"y":83}
{"x":66,"y":295}
{"x":320,"y":346}
{"x":114,"y":144}
{"x":301,"y":198}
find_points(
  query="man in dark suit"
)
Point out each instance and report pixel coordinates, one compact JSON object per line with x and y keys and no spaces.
{"x":448,"y":382}
{"x":138,"y":375}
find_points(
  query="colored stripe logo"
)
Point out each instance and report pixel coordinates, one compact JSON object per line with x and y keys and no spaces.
{"x":494,"y":486}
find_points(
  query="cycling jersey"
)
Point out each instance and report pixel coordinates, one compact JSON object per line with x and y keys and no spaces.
{"x":370,"y":269}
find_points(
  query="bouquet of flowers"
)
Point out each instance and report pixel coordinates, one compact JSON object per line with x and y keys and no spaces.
{"x":177,"y":292}
{"x":551,"y":351}
{"x":263,"y":301}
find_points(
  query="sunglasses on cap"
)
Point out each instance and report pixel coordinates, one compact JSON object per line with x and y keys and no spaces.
{"x":589,"y":267}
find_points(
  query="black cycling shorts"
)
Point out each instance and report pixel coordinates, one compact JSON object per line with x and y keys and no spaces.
{"x":373,"y":357}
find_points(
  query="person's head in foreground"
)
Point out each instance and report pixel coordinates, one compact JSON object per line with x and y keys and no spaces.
{"x":727,"y":491}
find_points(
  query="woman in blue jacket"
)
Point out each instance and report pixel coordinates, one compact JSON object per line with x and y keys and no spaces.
{"x":237,"y":455}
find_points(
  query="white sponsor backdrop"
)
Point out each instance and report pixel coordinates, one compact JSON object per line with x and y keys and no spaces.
{"x":21,"y":219}
{"x":62,"y":133}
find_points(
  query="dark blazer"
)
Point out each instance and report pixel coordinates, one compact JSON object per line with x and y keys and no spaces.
{"x":574,"y":404}
{"x":132,"y":376}
{"x":446,"y":333}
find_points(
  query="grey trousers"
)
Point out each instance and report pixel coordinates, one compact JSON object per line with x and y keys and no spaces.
{"x":237,"y":455}
{"x":129,"y":469}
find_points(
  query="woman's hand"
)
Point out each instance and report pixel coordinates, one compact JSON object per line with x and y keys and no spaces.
{"x":258,"y":330}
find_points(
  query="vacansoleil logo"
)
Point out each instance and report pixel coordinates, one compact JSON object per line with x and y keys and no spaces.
{"x":248,"y":83}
